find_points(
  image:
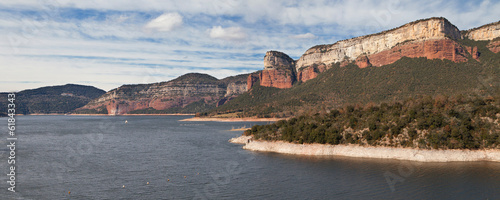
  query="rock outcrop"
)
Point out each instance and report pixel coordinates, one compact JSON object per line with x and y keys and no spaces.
{"x":414,"y":32}
{"x":311,"y":72}
{"x":279,"y":71}
{"x":485,"y":32}
{"x":252,"y":79}
{"x":189,"y":89}
{"x":494,"y":46}
{"x":430,"y":49}
{"x":433,"y":38}
{"x":276,"y":59}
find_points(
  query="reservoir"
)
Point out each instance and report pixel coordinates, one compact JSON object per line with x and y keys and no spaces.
{"x":160,"y":157}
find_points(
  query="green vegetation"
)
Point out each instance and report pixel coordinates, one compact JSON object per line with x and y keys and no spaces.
{"x":442,"y":122}
{"x":53,"y":99}
{"x":405,"y":78}
{"x":99,"y":110}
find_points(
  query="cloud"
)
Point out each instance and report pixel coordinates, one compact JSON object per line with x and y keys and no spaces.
{"x":110,"y":43}
{"x":230,"y":33}
{"x":304,"y":36}
{"x":165,"y":22}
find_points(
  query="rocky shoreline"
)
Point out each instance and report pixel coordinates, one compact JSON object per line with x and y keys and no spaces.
{"x":421,"y":155}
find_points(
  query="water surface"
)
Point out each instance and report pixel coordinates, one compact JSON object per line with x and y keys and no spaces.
{"x":94,"y":157}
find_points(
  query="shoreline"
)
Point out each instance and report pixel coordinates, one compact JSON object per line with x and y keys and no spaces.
{"x":351,"y":150}
{"x":244,"y":119}
{"x":179,"y":114}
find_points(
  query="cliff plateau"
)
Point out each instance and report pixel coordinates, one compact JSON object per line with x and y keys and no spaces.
{"x":189,"y":93}
{"x":433,"y":38}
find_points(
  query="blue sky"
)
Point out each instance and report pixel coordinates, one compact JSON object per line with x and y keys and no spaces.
{"x":110,"y":43}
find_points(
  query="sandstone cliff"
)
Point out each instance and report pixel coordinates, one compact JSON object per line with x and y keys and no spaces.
{"x":485,"y":32}
{"x":418,"y":31}
{"x":433,"y":38}
{"x":196,"y":90}
{"x":494,"y":46}
{"x":279,"y":71}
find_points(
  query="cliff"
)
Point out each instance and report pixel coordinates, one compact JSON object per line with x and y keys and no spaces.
{"x":187,"y":94}
{"x":433,"y":38}
{"x":349,"y":50}
{"x":485,"y":32}
{"x":279,"y":71}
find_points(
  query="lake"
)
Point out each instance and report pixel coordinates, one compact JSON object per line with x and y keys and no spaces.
{"x":160,"y":157}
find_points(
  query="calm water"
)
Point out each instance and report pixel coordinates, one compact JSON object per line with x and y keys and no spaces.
{"x":95,"y":156}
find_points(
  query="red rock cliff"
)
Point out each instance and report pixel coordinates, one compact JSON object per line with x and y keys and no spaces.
{"x":433,"y":38}
{"x":178,"y":93}
{"x":430,"y":49}
{"x":279,"y":71}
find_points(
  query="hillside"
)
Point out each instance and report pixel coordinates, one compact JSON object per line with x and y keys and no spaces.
{"x":407,"y":77}
{"x":458,"y":122}
{"x":53,"y":99}
{"x":439,"y":60}
{"x":189,"y":93}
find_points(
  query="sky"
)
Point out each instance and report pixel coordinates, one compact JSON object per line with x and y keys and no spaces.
{"x":110,"y":43}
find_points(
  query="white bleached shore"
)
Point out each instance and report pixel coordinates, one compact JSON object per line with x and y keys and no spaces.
{"x":244,"y":119}
{"x":422,"y":155}
{"x":240,"y":140}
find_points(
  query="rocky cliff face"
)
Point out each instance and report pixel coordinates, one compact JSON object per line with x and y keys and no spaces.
{"x":276,"y":59}
{"x":486,"y":32}
{"x":494,"y":46}
{"x":430,"y":49}
{"x":179,"y":93}
{"x":351,"y":49}
{"x":279,"y":71}
{"x":433,"y":38}
{"x":310,"y":72}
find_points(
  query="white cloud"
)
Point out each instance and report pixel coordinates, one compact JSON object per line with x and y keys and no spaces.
{"x":109,"y":43}
{"x":230,"y":33}
{"x":165,"y":22}
{"x":304,"y":36}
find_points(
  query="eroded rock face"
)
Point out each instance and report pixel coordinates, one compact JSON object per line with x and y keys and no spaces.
{"x":430,"y":49}
{"x":276,"y":59}
{"x":473,"y":52}
{"x":433,"y":38}
{"x":180,"y":92}
{"x":252,"y":79}
{"x":310,"y":72}
{"x":494,"y":46}
{"x":235,"y":89}
{"x":278,"y":78}
{"x":279,"y":71}
{"x":363,"y":62}
{"x":486,"y":32}
{"x":415,"y":32}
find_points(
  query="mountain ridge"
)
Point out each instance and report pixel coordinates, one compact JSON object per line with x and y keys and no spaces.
{"x":189,"y":93}
{"x":430,"y":38}
{"x":59,"y":99}
{"x":453,"y":67}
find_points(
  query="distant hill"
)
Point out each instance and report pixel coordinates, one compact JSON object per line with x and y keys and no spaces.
{"x":189,"y":93}
{"x":53,"y":99}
